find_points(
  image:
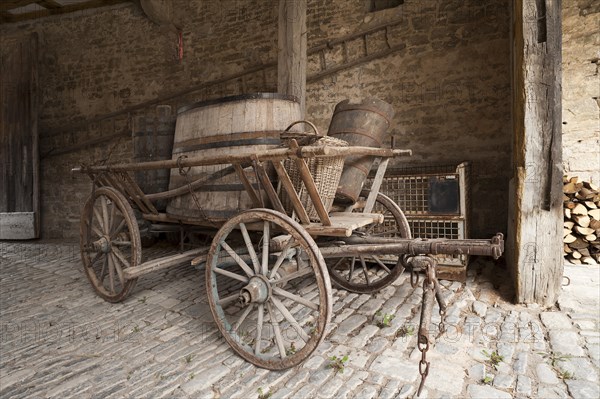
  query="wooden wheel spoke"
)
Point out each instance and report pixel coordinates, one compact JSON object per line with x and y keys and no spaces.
{"x":111,"y":275}
{"x":242,"y":317}
{"x":100,"y":220}
{"x":229,"y":274}
{"x":241,"y":263}
{"x":118,"y":229}
{"x":118,"y":269}
{"x":281,"y":257}
{"x":300,"y":273}
{"x":295,"y":298}
{"x":382,"y":265}
{"x":259,"y":326}
{"x":104,"y":267}
{"x":120,"y":256}
{"x":351,"y":268}
{"x":278,"y":337}
{"x":95,"y":259}
{"x":96,"y":231}
{"x":105,"y":214}
{"x":250,"y":247}
{"x":290,"y":318}
{"x":228,"y":299}
{"x":364,"y":268}
{"x":112,"y":217}
{"x":265,"y":247}
{"x":339,"y":262}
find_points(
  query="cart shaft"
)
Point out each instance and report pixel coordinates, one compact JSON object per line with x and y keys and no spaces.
{"x":356,"y":246}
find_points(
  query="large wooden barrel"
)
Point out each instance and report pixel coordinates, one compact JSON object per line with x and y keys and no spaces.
{"x":152,"y":141}
{"x":360,"y":124}
{"x":245,"y":124}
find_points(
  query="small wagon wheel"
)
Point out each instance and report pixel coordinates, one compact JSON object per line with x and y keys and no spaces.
{"x":110,"y":243}
{"x":366,"y":274}
{"x":268,"y":288}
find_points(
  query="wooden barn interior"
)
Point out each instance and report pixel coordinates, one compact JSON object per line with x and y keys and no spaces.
{"x":475,"y":82}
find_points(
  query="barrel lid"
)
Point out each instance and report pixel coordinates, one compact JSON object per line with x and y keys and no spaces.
{"x":241,"y":97}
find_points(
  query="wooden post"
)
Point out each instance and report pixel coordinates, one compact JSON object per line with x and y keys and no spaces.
{"x":291,"y":62}
{"x":534,"y":242}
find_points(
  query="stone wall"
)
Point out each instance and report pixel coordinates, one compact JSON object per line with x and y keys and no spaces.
{"x":581,"y":89}
{"x":450,"y":85}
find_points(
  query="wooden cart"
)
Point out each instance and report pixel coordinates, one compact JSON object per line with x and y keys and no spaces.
{"x":267,"y":272}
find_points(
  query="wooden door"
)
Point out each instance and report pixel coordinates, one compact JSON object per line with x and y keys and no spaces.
{"x":19,"y":192}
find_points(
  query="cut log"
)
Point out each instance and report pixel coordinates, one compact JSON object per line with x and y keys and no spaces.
{"x":567,"y":212}
{"x":584,"y":252}
{"x":569,"y":238}
{"x":573,"y":261}
{"x":590,"y":205}
{"x":579,"y":209}
{"x":566,"y":232}
{"x":573,"y":180}
{"x":588,"y":260}
{"x":567,"y":249}
{"x":595,"y":224}
{"x":578,"y":244}
{"x":591,"y":186}
{"x":584,"y":231}
{"x":569,"y":225}
{"x":576,"y":254}
{"x":570,"y":188}
{"x":585,"y":194}
{"x":591,"y":237}
{"x":583,"y":221}
{"x":566,"y":198}
{"x":594,"y":213}
{"x":570,"y":204}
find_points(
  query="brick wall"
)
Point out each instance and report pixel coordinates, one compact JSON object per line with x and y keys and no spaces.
{"x":581,"y":89}
{"x":450,"y":86}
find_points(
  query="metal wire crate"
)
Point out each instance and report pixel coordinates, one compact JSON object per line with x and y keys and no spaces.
{"x":435,"y":200}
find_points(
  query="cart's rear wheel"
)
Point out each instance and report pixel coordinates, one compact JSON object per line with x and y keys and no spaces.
{"x":366,"y":274}
{"x":110,"y":243}
{"x":268,"y":288}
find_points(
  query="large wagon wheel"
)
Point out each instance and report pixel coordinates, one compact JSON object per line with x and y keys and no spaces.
{"x":367,"y":274}
{"x":268,"y":288}
{"x":110,"y":243}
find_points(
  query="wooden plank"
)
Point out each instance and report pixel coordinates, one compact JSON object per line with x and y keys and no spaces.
{"x":269,"y":189}
{"x":291,"y":62}
{"x":19,"y":179}
{"x":164,"y":262}
{"x":65,"y":9}
{"x":376,"y":184}
{"x":137,"y":191}
{"x":18,"y":225}
{"x":343,"y":224}
{"x":311,"y":188}
{"x":254,"y":196}
{"x":535,"y":247}
{"x":288,"y":186}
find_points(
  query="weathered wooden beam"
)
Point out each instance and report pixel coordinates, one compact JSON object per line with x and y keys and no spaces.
{"x":291,"y":65}
{"x":535,"y":209}
{"x":65,"y":9}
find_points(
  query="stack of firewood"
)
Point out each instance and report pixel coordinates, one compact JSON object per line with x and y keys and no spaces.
{"x":582,"y":222}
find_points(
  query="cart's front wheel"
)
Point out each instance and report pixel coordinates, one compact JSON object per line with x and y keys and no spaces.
{"x":110,"y":243}
{"x":268,"y":288}
{"x":367,"y":274}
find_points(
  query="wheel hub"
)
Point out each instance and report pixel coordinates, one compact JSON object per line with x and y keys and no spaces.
{"x":258,"y":290}
{"x":102,"y":244}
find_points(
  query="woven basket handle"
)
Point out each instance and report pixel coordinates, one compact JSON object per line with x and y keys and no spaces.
{"x":312,"y":125}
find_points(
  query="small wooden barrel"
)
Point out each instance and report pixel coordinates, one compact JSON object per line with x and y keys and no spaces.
{"x":245,"y":124}
{"x":360,"y":124}
{"x":152,"y":141}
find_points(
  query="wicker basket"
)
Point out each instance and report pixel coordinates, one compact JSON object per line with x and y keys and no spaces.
{"x":326,"y":173}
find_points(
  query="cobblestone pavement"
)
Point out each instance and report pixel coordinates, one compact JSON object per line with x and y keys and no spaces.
{"x":60,"y":340}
